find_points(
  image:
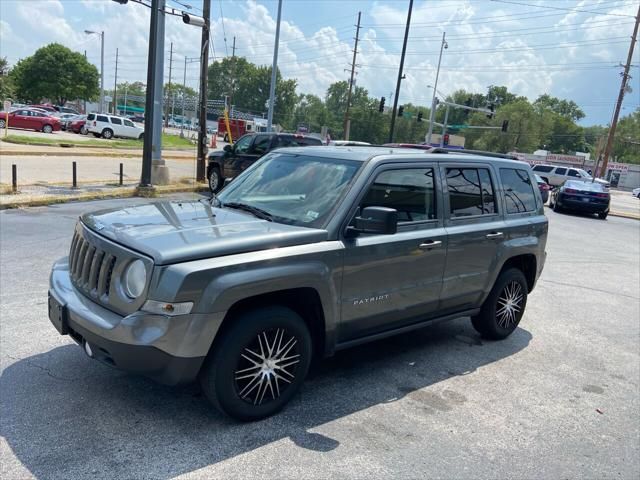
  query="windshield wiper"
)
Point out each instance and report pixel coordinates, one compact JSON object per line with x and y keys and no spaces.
{"x":258,"y":212}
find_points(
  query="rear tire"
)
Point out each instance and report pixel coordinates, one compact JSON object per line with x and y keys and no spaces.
{"x":47,"y":129}
{"x":503,"y":309}
{"x":258,"y":363}
{"x":215,"y":180}
{"x":603,"y":215}
{"x":556,"y":207}
{"x":107,"y":134}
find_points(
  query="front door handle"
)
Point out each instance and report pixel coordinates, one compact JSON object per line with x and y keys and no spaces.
{"x":495,"y":235}
{"x":429,"y":244}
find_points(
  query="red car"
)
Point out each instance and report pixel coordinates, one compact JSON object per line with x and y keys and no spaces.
{"x":31,"y":120}
{"x":78,"y":126}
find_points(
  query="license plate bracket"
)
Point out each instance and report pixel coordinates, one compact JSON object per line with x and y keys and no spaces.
{"x":58,"y":315}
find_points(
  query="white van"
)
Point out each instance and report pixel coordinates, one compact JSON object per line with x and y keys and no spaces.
{"x":109,"y":126}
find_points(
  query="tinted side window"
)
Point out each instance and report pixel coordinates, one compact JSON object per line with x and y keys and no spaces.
{"x":488,"y":198}
{"x":261,"y":144}
{"x":560,"y":171}
{"x":465,"y":194}
{"x":409,"y":191}
{"x":103,"y":118}
{"x":283,"y":142}
{"x":91,"y":116}
{"x":116,"y":121}
{"x":128,"y":123}
{"x":574,"y":173}
{"x":542,"y":168}
{"x":518,"y":190}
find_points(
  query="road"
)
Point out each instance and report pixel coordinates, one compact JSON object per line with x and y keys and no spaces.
{"x":558,"y":399}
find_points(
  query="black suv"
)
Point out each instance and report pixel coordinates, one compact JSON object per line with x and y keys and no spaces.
{"x":234,"y":159}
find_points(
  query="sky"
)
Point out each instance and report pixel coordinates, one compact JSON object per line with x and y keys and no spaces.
{"x":571,"y":49}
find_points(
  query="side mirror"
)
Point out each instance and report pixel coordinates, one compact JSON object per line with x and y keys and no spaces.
{"x":227,"y":181}
{"x":228,"y":148}
{"x":376,"y":220}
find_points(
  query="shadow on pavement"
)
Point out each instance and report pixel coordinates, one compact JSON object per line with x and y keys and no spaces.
{"x":67,"y":416}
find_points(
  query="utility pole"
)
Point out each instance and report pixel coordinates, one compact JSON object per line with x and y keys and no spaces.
{"x":400,"y":75}
{"x":233,"y":71}
{"x":102,"y":72}
{"x":85,"y":102}
{"x":432,"y":114}
{"x":115,"y":88}
{"x":145,"y":178}
{"x":204,"y":64}
{"x":159,"y":169}
{"x":272,"y":88}
{"x":347,"y":121}
{"x":166,"y":116}
{"x":623,"y":86}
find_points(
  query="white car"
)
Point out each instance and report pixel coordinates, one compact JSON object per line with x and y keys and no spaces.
{"x":636,"y":192}
{"x":556,"y":176}
{"x":109,"y":126}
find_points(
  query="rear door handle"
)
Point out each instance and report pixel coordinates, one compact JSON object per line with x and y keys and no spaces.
{"x":495,"y":235}
{"x":429,"y":244}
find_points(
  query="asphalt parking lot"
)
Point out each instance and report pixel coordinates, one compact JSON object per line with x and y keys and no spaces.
{"x":558,"y":399}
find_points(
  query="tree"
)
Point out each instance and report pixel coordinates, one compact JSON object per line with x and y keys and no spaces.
{"x":7,"y":90}
{"x":626,"y":147}
{"x":566,"y":108}
{"x":56,"y":73}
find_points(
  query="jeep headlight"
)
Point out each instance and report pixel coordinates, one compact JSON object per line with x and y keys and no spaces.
{"x":135,"y":279}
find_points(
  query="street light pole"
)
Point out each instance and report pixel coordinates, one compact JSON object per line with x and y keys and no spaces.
{"x":145,"y":178}
{"x":432,"y":115}
{"x":272,"y":88}
{"x":91,"y":32}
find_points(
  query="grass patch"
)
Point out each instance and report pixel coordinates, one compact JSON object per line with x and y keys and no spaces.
{"x":168,"y":141}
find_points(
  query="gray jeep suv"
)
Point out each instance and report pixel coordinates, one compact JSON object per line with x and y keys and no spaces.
{"x":308,"y":251}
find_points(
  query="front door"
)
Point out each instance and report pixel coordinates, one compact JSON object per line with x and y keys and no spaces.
{"x":475,"y":228}
{"x":393,"y":280}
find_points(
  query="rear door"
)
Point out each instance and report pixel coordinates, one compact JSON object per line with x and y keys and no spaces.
{"x":559,"y":176}
{"x":393,"y":280}
{"x":21,"y":119}
{"x":475,"y":227}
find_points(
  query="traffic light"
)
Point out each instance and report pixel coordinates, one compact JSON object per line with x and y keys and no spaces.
{"x":491,"y":107}
{"x":419,"y":116}
{"x":446,"y":139}
{"x":400,"y":110}
{"x":381,"y":107}
{"x":505,"y":126}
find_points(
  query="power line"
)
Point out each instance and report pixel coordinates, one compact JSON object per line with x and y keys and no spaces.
{"x":548,"y":7}
{"x":224,"y":33}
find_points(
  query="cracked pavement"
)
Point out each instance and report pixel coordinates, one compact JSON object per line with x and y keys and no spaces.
{"x":558,"y":399}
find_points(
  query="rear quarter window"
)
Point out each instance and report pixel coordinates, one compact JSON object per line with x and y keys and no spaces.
{"x":91,"y":116}
{"x":518,"y":189}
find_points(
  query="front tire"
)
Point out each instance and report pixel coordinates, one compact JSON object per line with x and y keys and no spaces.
{"x":503,"y":309}
{"x":258,"y":364}
{"x":215,"y":180}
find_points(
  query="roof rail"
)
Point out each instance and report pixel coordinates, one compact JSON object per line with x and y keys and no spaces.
{"x":473,"y":152}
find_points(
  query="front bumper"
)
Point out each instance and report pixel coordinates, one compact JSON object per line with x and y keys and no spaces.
{"x":168,"y":349}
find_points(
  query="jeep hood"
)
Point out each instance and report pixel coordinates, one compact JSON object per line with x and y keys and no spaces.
{"x":171,"y":232}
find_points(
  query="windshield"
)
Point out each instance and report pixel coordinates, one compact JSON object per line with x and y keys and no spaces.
{"x":295,"y":189}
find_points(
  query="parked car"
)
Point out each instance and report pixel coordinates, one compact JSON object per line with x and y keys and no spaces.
{"x":62,"y":109}
{"x":556,"y":176}
{"x":636,"y":192}
{"x":285,"y":266}
{"x":137,"y":118}
{"x":544,"y":188}
{"x":78,"y":124}
{"x":109,"y":126}
{"x":31,"y":119}
{"x":578,"y":195}
{"x":64,"y":119}
{"x":44,"y":106}
{"x":234,"y":159}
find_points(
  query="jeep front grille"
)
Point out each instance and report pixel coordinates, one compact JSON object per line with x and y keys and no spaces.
{"x":90,"y":267}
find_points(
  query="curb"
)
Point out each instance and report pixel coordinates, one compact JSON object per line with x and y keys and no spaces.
{"x":22,"y":153}
{"x":129,"y":192}
{"x":633,"y":216}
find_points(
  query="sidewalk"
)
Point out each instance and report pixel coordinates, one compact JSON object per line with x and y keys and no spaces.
{"x":623,"y":204}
